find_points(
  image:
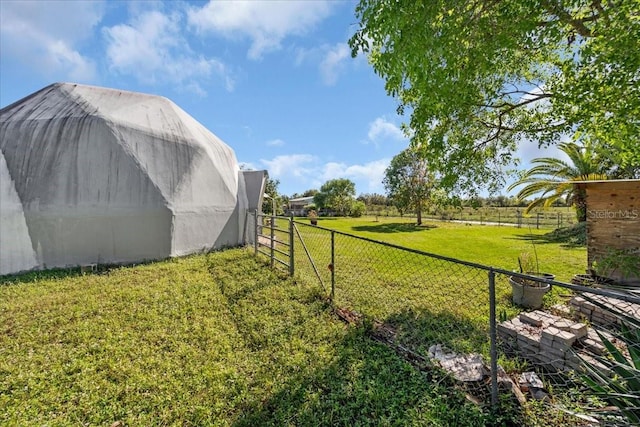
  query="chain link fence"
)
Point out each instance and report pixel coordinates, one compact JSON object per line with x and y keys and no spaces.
{"x":464,"y":317}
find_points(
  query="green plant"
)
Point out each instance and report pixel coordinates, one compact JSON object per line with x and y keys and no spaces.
{"x":357,"y":209}
{"x":625,"y":262}
{"x":528,"y":264}
{"x":615,"y":378}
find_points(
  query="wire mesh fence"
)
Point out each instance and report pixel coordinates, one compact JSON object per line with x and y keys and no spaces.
{"x":508,"y":216}
{"x":469,"y":318}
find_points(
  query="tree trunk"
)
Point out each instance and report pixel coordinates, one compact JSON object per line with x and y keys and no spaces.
{"x":419,"y":215}
{"x":580,"y":202}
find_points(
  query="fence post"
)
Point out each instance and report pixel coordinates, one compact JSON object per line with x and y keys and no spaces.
{"x":493,"y":338}
{"x":273,"y":242}
{"x":291,"y":239}
{"x":255,"y":231}
{"x":333,"y":265}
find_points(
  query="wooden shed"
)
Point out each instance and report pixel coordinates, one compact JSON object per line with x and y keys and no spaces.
{"x":613,"y":226}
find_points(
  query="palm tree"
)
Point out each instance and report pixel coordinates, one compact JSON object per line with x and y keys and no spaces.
{"x":551,"y":179}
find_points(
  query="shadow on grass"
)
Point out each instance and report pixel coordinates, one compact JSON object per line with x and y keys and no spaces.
{"x":368,"y":383}
{"x":394,"y":227}
{"x":36,"y":276}
{"x":360,"y":381}
{"x":420,"y":328}
{"x":569,"y":237}
{"x":365,"y":384}
{"x":70,"y":272}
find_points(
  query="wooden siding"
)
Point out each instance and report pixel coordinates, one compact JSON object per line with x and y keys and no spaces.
{"x":613,"y":219}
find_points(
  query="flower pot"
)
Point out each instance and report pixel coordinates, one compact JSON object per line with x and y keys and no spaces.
{"x":529,"y":293}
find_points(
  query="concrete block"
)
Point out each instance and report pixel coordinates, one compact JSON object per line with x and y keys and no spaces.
{"x":555,"y":353}
{"x":596,"y":364}
{"x":593,"y":346}
{"x":561,"y":310}
{"x":567,"y":338}
{"x":526,"y":340}
{"x":546,"y":342}
{"x":563,"y":324}
{"x":508,"y":329}
{"x":572,"y":357}
{"x":533,"y":318}
{"x":579,"y":330}
{"x":577,"y":300}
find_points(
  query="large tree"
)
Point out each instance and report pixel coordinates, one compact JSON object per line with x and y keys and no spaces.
{"x":337,"y":194}
{"x":409,"y":182}
{"x":551,"y":179}
{"x":479,"y":77}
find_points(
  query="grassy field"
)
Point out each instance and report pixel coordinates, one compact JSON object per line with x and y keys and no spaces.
{"x":495,"y":246}
{"x":217,"y":339}
{"x":552,"y":217}
{"x":429,"y":300}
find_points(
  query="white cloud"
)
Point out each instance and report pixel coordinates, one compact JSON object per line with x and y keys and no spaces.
{"x":266,"y":23}
{"x":333,"y":63}
{"x":152,"y":49}
{"x":297,"y":172}
{"x":275,"y":143}
{"x":381,"y":129}
{"x":331,"y":60}
{"x":46,"y":35}
{"x":372,"y":173}
{"x":296,"y":165}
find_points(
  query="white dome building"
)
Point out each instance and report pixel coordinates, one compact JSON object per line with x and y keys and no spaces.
{"x":95,"y":175}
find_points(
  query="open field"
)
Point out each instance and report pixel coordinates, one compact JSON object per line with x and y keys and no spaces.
{"x":495,"y":246}
{"x":428,"y":300}
{"x":552,"y":217}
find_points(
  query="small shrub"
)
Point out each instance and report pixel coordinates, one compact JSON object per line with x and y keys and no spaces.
{"x":357,"y":209}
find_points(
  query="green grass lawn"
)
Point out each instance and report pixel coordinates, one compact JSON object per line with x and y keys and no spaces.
{"x":495,"y":246}
{"x":430,"y":300}
{"x":214,"y":339}
{"x":220,"y":339}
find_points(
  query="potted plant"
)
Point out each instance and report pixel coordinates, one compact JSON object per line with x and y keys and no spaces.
{"x":528,"y":292}
{"x":313,"y":217}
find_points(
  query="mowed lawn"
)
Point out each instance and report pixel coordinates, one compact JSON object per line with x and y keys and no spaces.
{"x":215,"y":339}
{"x":495,"y":246}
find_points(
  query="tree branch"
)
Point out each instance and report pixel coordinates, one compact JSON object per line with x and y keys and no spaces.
{"x":552,"y":7}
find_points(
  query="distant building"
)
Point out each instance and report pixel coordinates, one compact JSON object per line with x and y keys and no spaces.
{"x":297,"y":206}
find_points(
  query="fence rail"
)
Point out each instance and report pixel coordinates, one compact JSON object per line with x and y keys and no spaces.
{"x":491,"y":215}
{"x":433,"y":302}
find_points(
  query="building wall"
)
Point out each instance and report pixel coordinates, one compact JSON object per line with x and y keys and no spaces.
{"x":613,"y":221}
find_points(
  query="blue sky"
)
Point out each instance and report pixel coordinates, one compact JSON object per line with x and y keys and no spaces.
{"x":275,"y":80}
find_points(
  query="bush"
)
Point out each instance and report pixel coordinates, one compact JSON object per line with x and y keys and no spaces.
{"x":357,"y":209}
